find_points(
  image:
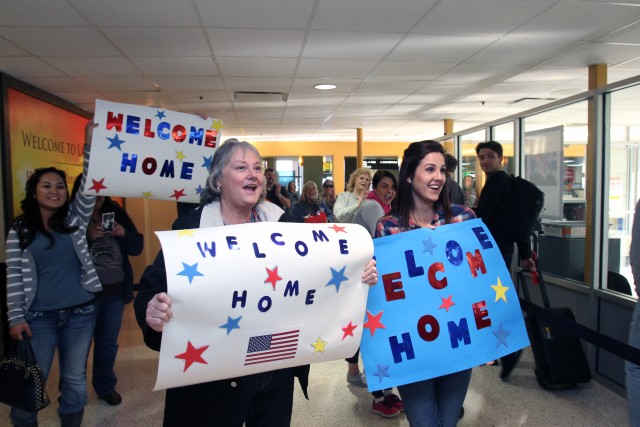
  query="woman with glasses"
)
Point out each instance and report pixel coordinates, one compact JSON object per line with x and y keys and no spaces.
{"x":328,"y":194}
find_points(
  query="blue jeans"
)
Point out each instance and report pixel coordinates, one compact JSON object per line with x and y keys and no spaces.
{"x":633,"y":370}
{"x":109,"y":311}
{"x":70,"y":332}
{"x":435,"y":402}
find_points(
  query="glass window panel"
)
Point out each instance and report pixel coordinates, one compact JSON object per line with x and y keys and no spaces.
{"x":624,"y":183}
{"x":554,"y":158}
{"x":468,"y":160}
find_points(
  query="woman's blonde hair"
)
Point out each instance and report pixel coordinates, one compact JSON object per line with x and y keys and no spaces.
{"x":355,"y":174}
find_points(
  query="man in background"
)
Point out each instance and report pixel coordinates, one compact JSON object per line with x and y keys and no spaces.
{"x":494,"y":210}
{"x":275,"y":192}
{"x":456,"y":195}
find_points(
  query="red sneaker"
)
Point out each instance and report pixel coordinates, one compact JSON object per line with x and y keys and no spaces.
{"x":394,"y":401}
{"x":385,"y":408}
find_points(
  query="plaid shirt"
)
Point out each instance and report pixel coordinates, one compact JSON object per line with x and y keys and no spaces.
{"x":389,"y":224}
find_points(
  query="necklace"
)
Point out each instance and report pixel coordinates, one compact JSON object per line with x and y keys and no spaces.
{"x":418,"y":222}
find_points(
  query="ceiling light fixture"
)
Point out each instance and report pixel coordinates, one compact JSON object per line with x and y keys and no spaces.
{"x":325,"y":86}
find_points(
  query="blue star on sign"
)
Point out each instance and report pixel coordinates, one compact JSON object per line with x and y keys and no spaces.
{"x":337,"y":278}
{"x":207,"y":162}
{"x":502,"y":335}
{"x":199,"y":189}
{"x":161,"y":115}
{"x":428,"y":246}
{"x":381,"y":372}
{"x":190,"y":271}
{"x":115,"y":142}
{"x":231,"y":324}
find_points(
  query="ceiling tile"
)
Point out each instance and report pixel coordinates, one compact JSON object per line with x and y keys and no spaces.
{"x":27,"y":66}
{"x":259,"y":43}
{"x":96,"y":66}
{"x":143,"y":41}
{"x":30,"y":13}
{"x":578,"y":20}
{"x":349,"y":45}
{"x":206,"y":83}
{"x":491,"y":18}
{"x":138,"y":13}
{"x":257,"y":67}
{"x":61,"y":41}
{"x":344,"y":68}
{"x":257,"y":84}
{"x":256,"y":14}
{"x":411,"y":70}
{"x":438,"y":48}
{"x":117,"y":84}
{"x":176,"y":65}
{"x":369,"y":15}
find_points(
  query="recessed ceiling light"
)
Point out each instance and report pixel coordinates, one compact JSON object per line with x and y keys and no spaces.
{"x":325,"y":86}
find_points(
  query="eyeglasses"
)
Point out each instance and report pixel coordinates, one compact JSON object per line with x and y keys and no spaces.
{"x":327,"y":186}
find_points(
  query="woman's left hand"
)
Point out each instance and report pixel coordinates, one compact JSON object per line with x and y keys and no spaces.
{"x":370,"y":275}
{"x":118,"y":230}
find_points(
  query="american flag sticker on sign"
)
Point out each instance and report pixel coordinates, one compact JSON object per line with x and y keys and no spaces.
{"x":272,"y":347}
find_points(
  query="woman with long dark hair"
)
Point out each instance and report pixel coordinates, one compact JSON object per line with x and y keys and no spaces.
{"x":51,"y":283}
{"x":422,"y":202}
{"x":112,"y":238}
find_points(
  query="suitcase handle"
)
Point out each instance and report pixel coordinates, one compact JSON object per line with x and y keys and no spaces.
{"x":525,"y":289}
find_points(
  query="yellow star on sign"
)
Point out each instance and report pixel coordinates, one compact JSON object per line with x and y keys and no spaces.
{"x":187,"y":232}
{"x":318,"y":346}
{"x":216,"y":124}
{"x":180,"y":155}
{"x":500,"y":291}
{"x":147,"y":194}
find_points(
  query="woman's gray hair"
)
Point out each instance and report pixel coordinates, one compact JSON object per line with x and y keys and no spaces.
{"x":303,"y":192}
{"x":221,"y":158}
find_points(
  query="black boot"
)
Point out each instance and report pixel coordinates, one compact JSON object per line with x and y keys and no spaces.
{"x":508,"y":363}
{"x":71,"y":420}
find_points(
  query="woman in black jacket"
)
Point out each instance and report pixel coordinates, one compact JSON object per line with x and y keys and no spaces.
{"x":112,"y":238}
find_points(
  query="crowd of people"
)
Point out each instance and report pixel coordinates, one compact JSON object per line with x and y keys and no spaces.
{"x":69,"y":276}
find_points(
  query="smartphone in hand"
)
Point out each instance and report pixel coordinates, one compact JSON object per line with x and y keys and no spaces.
{"x":108,"y":221}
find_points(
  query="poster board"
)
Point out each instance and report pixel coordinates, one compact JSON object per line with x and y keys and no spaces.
{"x":261,"y":296}
{"x":445,"y":303}
{"x":150,"y":152}
{"x":544,"y":166}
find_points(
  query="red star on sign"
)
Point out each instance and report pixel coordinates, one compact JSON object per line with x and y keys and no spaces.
{"x":447,"y":303}
{"x":98,"y":185}
{"x":373,"y":322}
{"x":273,"y":277}
{"x":338,"y":229}
{"x":178,"y":193}
{"x":348,"y":330}
{"x":192,"y":355}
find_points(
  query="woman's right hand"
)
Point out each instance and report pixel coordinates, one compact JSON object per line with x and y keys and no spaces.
{"x":159,"y":311}
{"x":16,"y":330}
{"x":88,"y":132}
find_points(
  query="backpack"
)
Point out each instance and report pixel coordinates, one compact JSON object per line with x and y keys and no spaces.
{"x":526,"y":202}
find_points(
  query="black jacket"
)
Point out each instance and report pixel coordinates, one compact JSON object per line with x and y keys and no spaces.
{"x":189,"y":405}
{"x":494,"y":209}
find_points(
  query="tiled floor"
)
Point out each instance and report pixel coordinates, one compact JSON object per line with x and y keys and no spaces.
{"x":490,"y":401}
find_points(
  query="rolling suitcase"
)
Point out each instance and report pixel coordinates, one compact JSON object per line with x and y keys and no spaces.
{"x":559,"y":356}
